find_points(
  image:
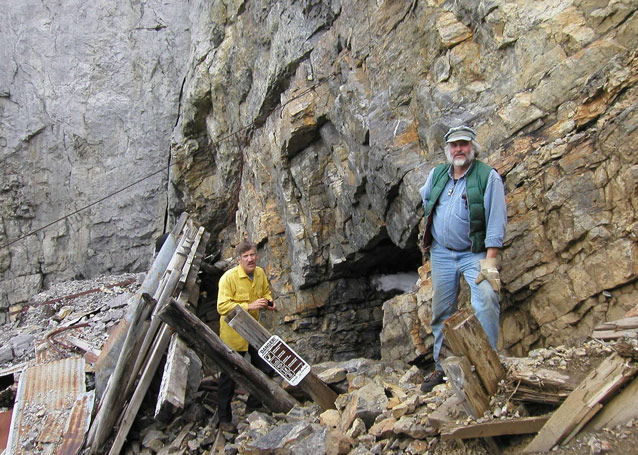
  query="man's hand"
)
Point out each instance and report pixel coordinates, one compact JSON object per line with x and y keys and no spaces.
{"x":261,"y":304}
{"x":489,"y":272}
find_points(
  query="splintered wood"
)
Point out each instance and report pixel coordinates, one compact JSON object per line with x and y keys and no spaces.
{"x":475,"y":369}
{"x":466,"y":337}
{"x":627,"y":327}
{"x":540,"y":386}
{"x":583,"y":403}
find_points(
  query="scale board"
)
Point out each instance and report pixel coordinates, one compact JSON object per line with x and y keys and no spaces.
{"x":284,"y":360}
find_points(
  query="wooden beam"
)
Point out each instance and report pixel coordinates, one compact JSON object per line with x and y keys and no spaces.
{"x":466,"y":337}
{"x":257,"y":335}
{"x":621,"y":409}
{"x":466,"y":384}
{"x":172,"y":393}
{"x":213,"y":351}
{"x":523,"y":425}
{"x":581,"y":405}
{"x":159,"y":347}
{"x":110,"y":404}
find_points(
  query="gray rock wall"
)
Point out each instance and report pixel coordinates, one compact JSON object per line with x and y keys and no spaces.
{"x":89,"y":94}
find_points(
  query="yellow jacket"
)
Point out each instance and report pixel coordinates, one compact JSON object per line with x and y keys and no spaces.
{"x":235,"y":288}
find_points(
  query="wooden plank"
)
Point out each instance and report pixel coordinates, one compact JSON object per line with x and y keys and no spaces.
{"x":466,"y":337}
{"x":582,"y":403}
{"x":110,"y":405}
{"x":172,"y":394}
{"x":257,"y":335}
{"x":523,"y":425}
{"x":213,"y":351}
{"x":621,"y":409}
{"x":614,"y":334}
{"x":191,"y":257}
{"x":619,"y":324}
{"x":159,"y":347}
{"x":540,"y":386}
{"x":466,"y":385}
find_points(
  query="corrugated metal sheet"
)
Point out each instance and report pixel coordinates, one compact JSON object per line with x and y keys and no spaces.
{"x":46,"y":396}
{"x":77,"y":424}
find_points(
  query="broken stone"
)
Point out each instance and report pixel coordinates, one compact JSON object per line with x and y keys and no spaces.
{"x":413,"y":376}
{"x":412,"y":427}
{"x":154,"y":440}
{"x":365,"y":403}
{"x":333,"y":375}
{"x":330,"y":418}
{"x":357,"y":428}
{"x":337,"y":443}
{"x":384,"y":428}
{"x":22,"y":343}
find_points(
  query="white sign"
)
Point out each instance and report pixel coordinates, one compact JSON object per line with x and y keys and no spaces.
{"x":284,"y":360}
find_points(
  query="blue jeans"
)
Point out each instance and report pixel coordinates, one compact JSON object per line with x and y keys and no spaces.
{"x":447,"y":267}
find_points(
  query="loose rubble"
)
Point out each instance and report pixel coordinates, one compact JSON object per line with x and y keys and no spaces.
{"x":380,"y":409}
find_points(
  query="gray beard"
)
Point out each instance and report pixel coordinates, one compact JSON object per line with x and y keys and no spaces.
{"x":460,"y":162}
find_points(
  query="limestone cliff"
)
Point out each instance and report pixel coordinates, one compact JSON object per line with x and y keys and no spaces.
{"x":89,"y":95}
{"x":308,"y":126}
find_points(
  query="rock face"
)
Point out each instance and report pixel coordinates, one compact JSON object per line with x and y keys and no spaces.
{"x":309,"y":126}
{"x":89,"y":95}
{"x":340,"y":108}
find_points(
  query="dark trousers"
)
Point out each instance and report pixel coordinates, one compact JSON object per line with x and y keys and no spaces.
{"x":226,"y":387}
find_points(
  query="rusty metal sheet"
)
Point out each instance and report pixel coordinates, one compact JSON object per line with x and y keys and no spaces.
{"x":77,"y":425}
{"x":44,"y":401}
{"x":5,"y":421}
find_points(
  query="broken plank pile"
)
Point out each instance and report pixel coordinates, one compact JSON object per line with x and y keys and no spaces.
{"x":583,"y":403}
{"x":146,"y":339}
{"x":626,"y":327}
{"x":539,"y":386}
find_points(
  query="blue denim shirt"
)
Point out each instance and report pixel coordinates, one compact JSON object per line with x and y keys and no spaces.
{"x":451,"y":223}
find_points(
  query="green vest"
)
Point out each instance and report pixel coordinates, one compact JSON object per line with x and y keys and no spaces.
{"x":475,"y":184}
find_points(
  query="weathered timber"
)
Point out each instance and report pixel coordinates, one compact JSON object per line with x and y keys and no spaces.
{"x":159,"y":347}
{"x":172,"y":393}
{"x":112,"y":400}
{"x":582,"y":404}
{"x":466,"y":337}
{"x":540,"y":386}
{"x":257,"y":335}
{"x":523,"y":425}
{"x":614,"y":334}
{"x":621,"y":409}
{"x":621,"y":328}
{"x":163,"y":293}
{"x":177,"y":369}
{"x":466,"y":384}
{"x":213,"y":351}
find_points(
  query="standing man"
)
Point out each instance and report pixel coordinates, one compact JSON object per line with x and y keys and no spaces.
{"x":465,"y":217}
{"x":245,"y":285}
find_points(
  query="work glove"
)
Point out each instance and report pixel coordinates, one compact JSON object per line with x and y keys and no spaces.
{"x":489,"y":272}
